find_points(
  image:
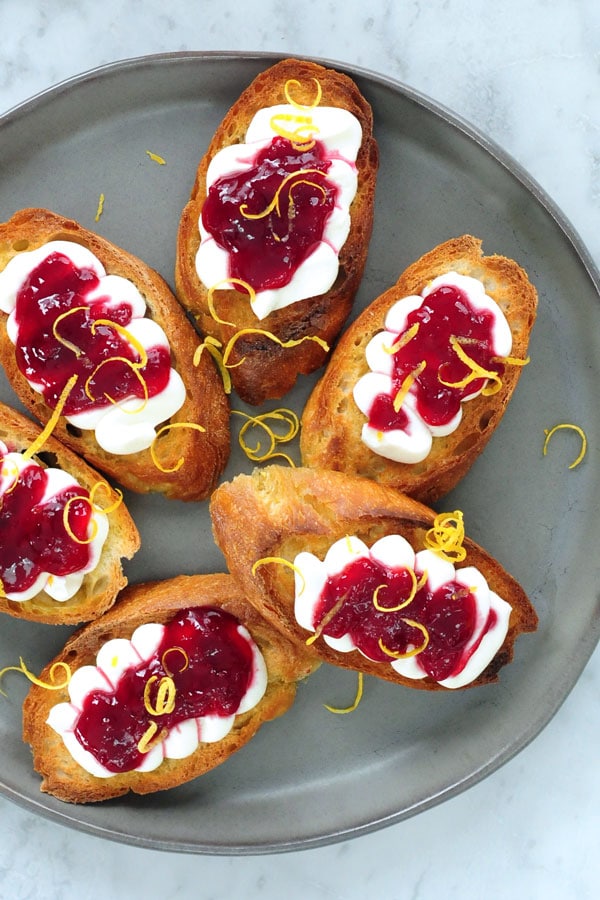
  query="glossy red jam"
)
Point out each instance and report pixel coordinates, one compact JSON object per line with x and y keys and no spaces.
{"x":445,"y":313}
{"x":448,"y":614}
{"x":33,"y":538}
{"x":211,"y":676}
{"x":266,"y":251}
{"x":53,"y":288}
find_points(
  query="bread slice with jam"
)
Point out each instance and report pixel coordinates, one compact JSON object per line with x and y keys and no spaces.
{"x":89,"y":330}
{"x":455,"y":361}
{"x":276,"y":178}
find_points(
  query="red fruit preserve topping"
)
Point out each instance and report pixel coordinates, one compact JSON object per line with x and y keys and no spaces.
{"x":269,"y":218}
{"x":33,"y":537}
{"x":57,"y":339}
{"x":447,"y":616}
{"x":444,"y":319}
{"x":209,"y":665}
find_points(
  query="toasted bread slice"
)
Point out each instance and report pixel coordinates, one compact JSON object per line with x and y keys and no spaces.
{"x":203,"y":453}
{"x":100,"y":587}
{"x":158,"y":602}
{"x":268,"y":369}
{"x":277,"y":513}
{"x":332,"y":423}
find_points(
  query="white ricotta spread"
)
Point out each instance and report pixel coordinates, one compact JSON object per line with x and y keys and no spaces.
{"x":58,"y":587}
{"x":413,"y":443}
{"x":394,"y":551}
{"x":341,"y":134}
{"x":130,"y":425}
{"x":113,"y":658}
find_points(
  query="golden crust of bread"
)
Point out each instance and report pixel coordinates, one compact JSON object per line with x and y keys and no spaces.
{"x":159,"y":602}
{"x":332,"y":423}
{"x":269,"y":371}
{"x":279,"y":512}
{"x":99,"y":588}
{"x":204,"y":453}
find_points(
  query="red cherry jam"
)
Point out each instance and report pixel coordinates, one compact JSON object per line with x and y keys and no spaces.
{"x":211,"y":665}
{"x":448,"y":614}
{"x":33,"y":537}
{"x":265,"y":250}
{"x":444,"y":313}
{"x":53,"y":288}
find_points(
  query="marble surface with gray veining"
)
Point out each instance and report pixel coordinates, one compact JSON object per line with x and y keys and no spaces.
{"x":528,"y":76}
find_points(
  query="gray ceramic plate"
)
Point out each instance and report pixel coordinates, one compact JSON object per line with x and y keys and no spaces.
{"x":312,"y":777}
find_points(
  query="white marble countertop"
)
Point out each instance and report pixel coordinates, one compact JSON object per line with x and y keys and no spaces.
{"x":528,"y":76}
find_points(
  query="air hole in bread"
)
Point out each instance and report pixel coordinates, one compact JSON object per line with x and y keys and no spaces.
{"x":485,"y":419}
{"x":73,"y":430}
{"x":20,"y":245}
{"x":48,"y":458}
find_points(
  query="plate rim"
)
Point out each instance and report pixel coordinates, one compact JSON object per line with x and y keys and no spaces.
{"x":516,"y":170}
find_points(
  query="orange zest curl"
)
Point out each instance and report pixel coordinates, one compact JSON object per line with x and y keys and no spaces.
{"x":296,"y":138}
{"x":417,"y":584}
{"x":99,"y":208}
{"x":326,"y":620}
{"x":48,"y":685}
{"x":164,"y":702}
{"x":476,"y":372}
{"x":227,"y":284}
{"x":76,"y":350}
{"x":446,"y":536}
{"x":150,"y":739}
{"x":156,"y":158}
{"x":292,"y":102}
{"x":212,"y":345}
{"x":281,"y":561}
{"x":274,"y":204}
{"x":403,"y":340}
{"x":273,"y":337}
{"x":552,"y":431}
{"x":257,"y":454}
{"x":162,"y":431}
{"x":135,"y":368}
{"x":41,"y":439}
{"x":67,"y":525}
{"x":167,"y":653}
{"x":407,"y":384}
{"x":415,"y":651}
{"x":357,"y":699}
{"x":128,"y":336}
{"x":100,"y":486}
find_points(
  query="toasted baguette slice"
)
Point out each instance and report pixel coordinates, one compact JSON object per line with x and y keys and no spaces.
{"x":270,"y":370}
{"x":158,"y":602}
{"x":279,"y":512}
{"x":204,"y":454}
{"x":332,"y":422}
{"x":100,"y":587}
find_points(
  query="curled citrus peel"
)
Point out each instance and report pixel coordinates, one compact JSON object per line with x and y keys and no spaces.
{"x":329,"y":615}
{"x":181,"y":652}
{"x":43,"y":436}
{"x":274,"y":204}
{"x":293,"y":342}
{"x":135,"y":368}
{"x":294,"y":103}
{"x":567,"y":425}
{"x":150,"y":739}
{"x":446,"y":536}
{"x":129,"y":338}
{"x":407,"y":384}
{"x":353,"y":706}
{"x":164,"y":701}
{"x":476,"y":371}
{"x":163,"y":430}
{"x":403,"y":340}
{"x":48,"y":685}
{"x":104,"y":486}
{"x":415,"y":651}
{"x":226,"y":283}
{"x":67,"y":526}
{"x":61,"y":340}
{"x":256,"y":453}
{"x":283,"y":562}
{"x":416,"y":586}
{"x":212,"y":345}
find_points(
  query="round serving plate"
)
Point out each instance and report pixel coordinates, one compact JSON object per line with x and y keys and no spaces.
{"x":311,"y":777}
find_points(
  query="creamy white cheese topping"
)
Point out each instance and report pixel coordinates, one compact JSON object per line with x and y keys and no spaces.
{"x":113,"y":658}
{"x":395,"y":552}
{"x":58,"y":587}
{"x":413,"y":443}
{"x":341,"y":133}
{"x":130,"y":425}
